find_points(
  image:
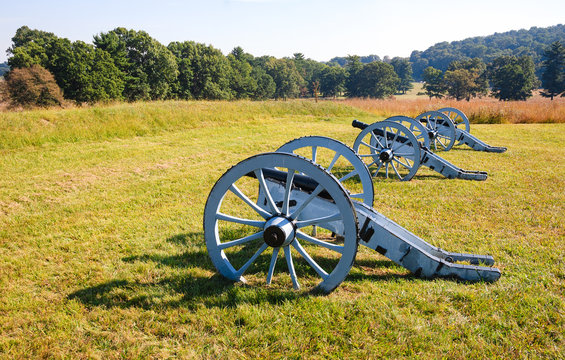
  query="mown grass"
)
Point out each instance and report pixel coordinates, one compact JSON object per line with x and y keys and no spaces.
{"x":102,"y":252}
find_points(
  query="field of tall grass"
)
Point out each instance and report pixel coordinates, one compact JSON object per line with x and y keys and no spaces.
{"x":102,"y":252}
{"x":479,"y":111}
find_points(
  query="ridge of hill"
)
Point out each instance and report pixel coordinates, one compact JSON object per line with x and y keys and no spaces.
{"x":515,"y":42}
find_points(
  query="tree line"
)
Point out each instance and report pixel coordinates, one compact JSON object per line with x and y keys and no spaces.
{"x":532,"y":42}
{"x":130,"y":65}
{"x":507,"y":77}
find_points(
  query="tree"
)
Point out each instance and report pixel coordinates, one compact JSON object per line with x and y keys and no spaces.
{"x":242,"y":83}
{"x":433,"y":82}
{"x":403,"y":69}
{"x":459,"y":84}
{"x":377,"y":80}
{"x":266,"y":86}
{"x":84,"y":74}
{"x":286,"y":77}
{"x":33,"y":86}
{"x":150,"y":68}
{"x":466,"y":79}
{"x":205,"y":70}
{"x":512,"y":78}
{"x":332,"y":80}
{"x":553,"y":76}
{"x":353,"y":67}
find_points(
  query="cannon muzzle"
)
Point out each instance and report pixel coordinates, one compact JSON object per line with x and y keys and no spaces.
{"x":359,"y":124}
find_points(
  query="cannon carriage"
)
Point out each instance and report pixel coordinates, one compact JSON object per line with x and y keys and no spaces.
{"x":286,"y":204}
{"x":272,"y":201}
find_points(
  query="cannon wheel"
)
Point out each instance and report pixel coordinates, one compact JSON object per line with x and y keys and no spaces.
{"x":359,"y":170}
{"x":379,"y":146}
{"x":225,"y":247}
{"x":440,"y":129}
{"x":459,"y":119}
{"x":417,"y":128}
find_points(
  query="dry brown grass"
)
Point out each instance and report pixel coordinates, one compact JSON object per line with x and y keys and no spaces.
{"x":480,"y":111}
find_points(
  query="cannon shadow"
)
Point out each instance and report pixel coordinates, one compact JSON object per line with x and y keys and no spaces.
{"x":199,"y":288}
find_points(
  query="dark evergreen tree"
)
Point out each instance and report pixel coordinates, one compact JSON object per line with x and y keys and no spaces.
{"x":242,"y":83}
{"x":403,"y":69}
{"x":512,"y":78}
{"x":353,"y":67}
{"x":553,"y":76}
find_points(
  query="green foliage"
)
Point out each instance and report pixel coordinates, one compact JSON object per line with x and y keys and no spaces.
{"x":332,"y":80}
{"x":310,"y":71}
{"x":353,"y":67}
{"x":266,"y":86}
{"x":130,"y":64}
{"x":553,"y":77}
{"x":433,"y":82}
{"x":285,"y":76}
{"x":32,"y":86}
{"x":513,"y":78}
{"x":459,"y":84}
{"x":403,"y":69}
{"x":205,"y":72}
{"x":150,"y":68}
{"x":466,"y":79}
{"x":88,"y":74}
{"x":85,"y":74}
{"x":530,"y":42}
{"x":377,"y":80}
{"x":242,"y":82}
{"x":342,"y":61}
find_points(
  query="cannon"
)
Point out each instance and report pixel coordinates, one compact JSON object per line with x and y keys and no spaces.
{"x":269,"y":202}
{"x":448,"y":127}
{"x":391,"y":147}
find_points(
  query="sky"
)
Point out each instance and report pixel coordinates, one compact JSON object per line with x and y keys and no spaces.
{"x":319,"y":29}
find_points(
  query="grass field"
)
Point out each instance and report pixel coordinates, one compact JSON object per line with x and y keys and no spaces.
{"x":102,"y":252}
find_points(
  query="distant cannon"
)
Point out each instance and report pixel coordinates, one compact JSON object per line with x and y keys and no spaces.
{"x":392,"y":148}
{"x":448,"y":127}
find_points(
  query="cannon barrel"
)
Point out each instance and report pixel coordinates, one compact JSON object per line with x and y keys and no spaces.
{"x":359,"y":124}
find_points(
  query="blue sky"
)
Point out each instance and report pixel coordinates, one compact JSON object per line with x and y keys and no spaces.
{"x":319,"y":29}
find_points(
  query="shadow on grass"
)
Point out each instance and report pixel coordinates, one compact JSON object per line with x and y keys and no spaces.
{"x":191,"y":291}
{"x":394,"y":178}
{"x":182,"y":290}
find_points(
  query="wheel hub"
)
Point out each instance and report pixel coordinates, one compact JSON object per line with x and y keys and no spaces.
{"x":432,"y":134}
{"x":278,"y":231}
{"x":386,"y":155}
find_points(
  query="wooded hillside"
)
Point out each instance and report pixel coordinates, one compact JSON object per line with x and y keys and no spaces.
{"x":522,"y":42}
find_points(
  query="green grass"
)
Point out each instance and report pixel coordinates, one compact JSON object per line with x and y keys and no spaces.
{"x":102,"y":252}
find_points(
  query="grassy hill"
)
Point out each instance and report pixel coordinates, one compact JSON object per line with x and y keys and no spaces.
{"x":102,"y":252}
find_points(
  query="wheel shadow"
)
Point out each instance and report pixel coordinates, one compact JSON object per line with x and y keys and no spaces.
{"x":197,"y":287}
{"x":189,"y":290}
